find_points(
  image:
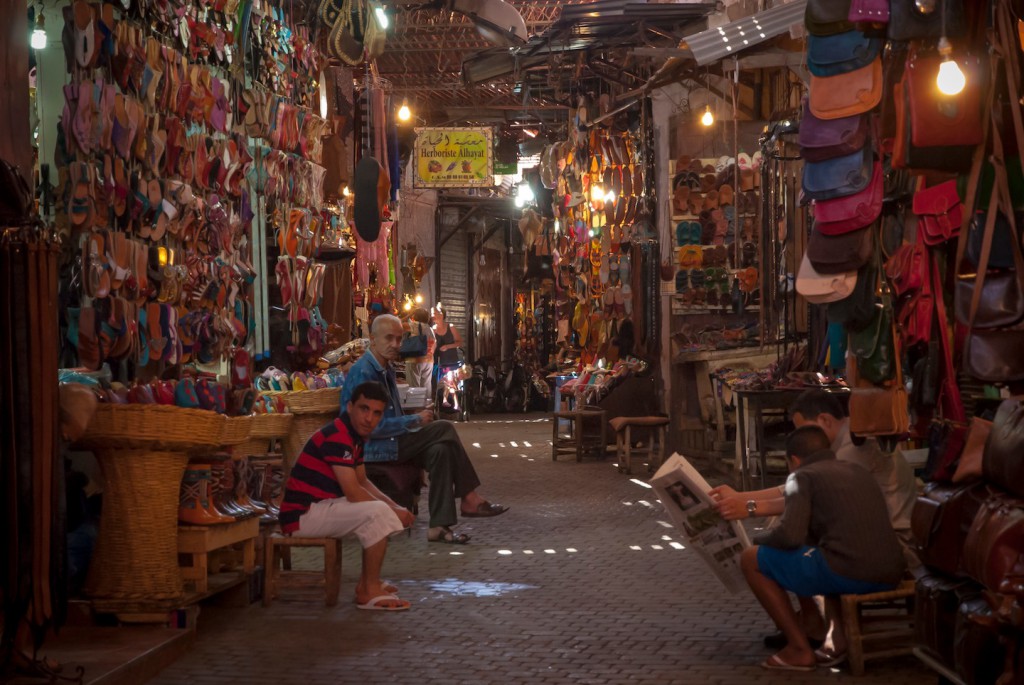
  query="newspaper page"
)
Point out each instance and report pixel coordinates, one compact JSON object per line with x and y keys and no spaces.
{"x":684,"y":494}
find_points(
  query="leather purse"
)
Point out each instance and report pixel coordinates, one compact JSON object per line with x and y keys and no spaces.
{"x":1003,"y":460}
{"x":994,"y":546}
{"x":827,"y":17}
{"x":906,"y":22}
{"x":1001,"y":255}
{"x":822,"y":139}
{"x":845,"y":95}
{"x":844,"y":214}
{"x":869,"y":11}
{"x":907,"y":268}
{"x":857,"y":310}
{"x":938,"y":120}
{"x":840,"y":53}
{"x":969,"y":465}
{"x":839,"y":177}
{"x":941,"y":518}
{"x":939,"y":212}
{"x":874,"y":346}
{"x":823,"y":288}
{"x":833,"y":254}
{"x":879,"y":411}
{"x":15,"y":196}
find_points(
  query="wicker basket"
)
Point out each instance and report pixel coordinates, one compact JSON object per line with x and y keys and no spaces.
{"x":302,"y":428}
{"x":235,"y":431}
{"x":152,"y":426}
{"x":253,"y":447}
{"x":270,"y":425}
{"x":135,"y":564}
{"x":322,"y":401}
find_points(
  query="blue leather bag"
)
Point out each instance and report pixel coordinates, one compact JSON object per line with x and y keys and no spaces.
{"x":838,"y":177}
{"x":840,"y":53}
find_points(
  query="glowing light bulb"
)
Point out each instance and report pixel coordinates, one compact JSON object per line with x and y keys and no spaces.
{"x":38,"y":39}
{"x":951,"y":79}
{"x":382,"y":17}
{"x":346,"y":192}
{"x":419,"y":298}
{"x":404,"y":113}
{"x":596,"y":193}
{"x":609,"y":196}
{"x":526,"y":193}
{"x":707,"y":118}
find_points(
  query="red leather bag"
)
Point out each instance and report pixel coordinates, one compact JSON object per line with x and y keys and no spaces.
{"x":936,"y":119}
{"x":942,"y":516}
{"x":907,"y":268}
{"x":994,"y":546}
{"x":845,"y":214}
{"x":939,"y":212}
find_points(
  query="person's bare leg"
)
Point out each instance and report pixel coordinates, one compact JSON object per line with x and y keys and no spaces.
{"x":370,"y":584}
{"x":773,"y":598}
{"x":810,"y":618}
{"x":837,"y":642}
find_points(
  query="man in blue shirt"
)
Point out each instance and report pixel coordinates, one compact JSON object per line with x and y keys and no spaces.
{"x":432,"y":445}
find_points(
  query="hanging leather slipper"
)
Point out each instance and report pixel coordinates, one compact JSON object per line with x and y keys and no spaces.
{"x":365,"y":207}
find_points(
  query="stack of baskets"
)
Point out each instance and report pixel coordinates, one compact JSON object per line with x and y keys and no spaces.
{"x":313,"y":409}
{"x":265,"y":427}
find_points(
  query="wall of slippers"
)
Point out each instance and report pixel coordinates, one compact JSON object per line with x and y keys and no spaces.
{"x":186,"y":137}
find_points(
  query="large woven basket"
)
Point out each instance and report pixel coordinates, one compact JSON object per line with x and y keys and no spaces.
{"x":236,"y":430}
{"x":152,"y":426}
{"x":322,"y":401}
{"x":302,"y":428}
{"x":270,"y":425}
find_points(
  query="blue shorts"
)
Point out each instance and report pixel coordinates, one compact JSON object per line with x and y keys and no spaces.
{"x":805,"y":573}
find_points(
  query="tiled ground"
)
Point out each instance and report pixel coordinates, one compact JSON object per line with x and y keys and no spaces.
{"x":578,"y":583}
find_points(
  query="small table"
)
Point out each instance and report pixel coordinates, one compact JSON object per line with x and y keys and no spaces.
{"x":198,"y":541}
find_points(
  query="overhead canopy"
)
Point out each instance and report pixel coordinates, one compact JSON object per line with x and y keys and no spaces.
{"x":731,"y":39}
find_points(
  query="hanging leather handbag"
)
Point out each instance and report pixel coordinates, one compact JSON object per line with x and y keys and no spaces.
{"x":994,"y":546}
{"x":845,"y":95}
{"x":969,"y":465}
{"x":823,"y":288}
{"x":874,"y":346}
{"x":936,"y":119}
{"x":869,"y":11}
{"x":822,"y":139}
{"x":840,"y":53}
{"x":1003,"y":460}
{"x":907,"y":21}
{"x":838,"y":177}
{"x":941,"y":518}
{"x":907,"y":268}
{"x":15,"y":196}
{"x":939,"y":212}
{"x":833,"y":254}
{"x":879,"y":411}
{"x":844,"y":214}
{"x":857,"y":310}
{"x":827,"y":17}
{"x":1001,"y":255}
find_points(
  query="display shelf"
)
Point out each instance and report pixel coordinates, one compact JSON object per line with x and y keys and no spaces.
{"x":197,"y":542}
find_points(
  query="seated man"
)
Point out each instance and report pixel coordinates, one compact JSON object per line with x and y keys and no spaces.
{"x":329,"y":496}
{"x":432,"y":445}
{"x":893,"y":474}
{"x":834,"y":538}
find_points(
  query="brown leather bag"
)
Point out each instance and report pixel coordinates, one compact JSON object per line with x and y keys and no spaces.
{"x":1003,"y":460}
{"x":848,"y":94}
{"x":941,"y":518}
{"x":969,"y":466}
{"x":936,"y":601}
{"x":994,"y":546}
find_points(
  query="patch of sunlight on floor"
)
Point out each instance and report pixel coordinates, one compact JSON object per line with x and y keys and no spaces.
{"x":527,"y":551}
{"x":501,"y":445}
{"x":549,"y":551}
{"x":526,"y":444}
{"x":666,"y":538}
{"x":570,"y":550}
{"x":657,"y":547}
{"x":665,"y":524}
{"x":676,"y":545}
{"x":635,"y":548}
{"x":494,"y":456}
{"x":453,"y":586}
{"x":645,"y":503}
{"x":514,"y":443}
{"x":640,"y":483}
{"x":504,"y":552}
{"x":476,"y":445}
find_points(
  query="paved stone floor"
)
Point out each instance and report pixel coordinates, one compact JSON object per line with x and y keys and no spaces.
{"x":578,"y":583}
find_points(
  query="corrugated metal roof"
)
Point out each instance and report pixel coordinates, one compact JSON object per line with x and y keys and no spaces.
{"x":731,"y":39}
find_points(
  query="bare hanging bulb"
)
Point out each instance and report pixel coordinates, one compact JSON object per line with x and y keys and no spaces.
{"x":950,"y":80}
{"x":707,"y":118}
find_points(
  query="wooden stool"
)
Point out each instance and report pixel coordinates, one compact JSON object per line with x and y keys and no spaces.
{"x":578,"y":439}
{"x":655,"y":449}
{"x":879,"y":624}
{"x":277,"y":546}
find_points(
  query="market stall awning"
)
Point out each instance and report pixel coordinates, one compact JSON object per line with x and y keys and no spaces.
{"x":731,"y":39}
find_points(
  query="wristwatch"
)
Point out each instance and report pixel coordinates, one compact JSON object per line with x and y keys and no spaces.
{"x":751,"y":507}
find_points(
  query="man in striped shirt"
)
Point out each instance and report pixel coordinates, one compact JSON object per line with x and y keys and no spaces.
{"x":329,"y":495}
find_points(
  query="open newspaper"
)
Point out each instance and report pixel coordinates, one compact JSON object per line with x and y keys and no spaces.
{"x":684,"y":494}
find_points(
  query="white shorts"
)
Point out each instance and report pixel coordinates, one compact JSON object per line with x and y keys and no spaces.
{"x":370,"y":522}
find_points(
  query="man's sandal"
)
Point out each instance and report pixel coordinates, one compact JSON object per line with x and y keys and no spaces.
{"x":447,"y":536}
{"x":385,"y":603}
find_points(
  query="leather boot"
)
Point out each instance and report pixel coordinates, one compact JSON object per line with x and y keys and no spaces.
{"x":193,"y":507}
{"x":219,"y":494}
{"x":243,"y":478}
